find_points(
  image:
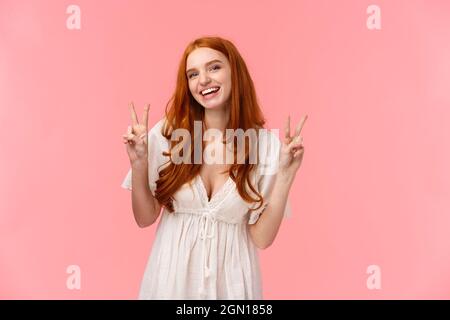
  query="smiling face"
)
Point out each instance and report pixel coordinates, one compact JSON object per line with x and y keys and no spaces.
{"x":209,"y":68}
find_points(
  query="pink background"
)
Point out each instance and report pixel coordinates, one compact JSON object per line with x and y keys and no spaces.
{"x":373,"y":189}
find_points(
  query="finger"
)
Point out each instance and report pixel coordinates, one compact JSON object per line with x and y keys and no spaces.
{"x":300,"y":149}
{"x":143,"y":137}
{"x":298,"y":153}
{"x":295,"y":143}
{"x":134,"y":118}
{"x":129,"y":132}
{"x":145,"y":118}
{"x":299,"y":127}
{"x":296,"y":148}
{"x":287,"y":129}
{"x":129,"y":137}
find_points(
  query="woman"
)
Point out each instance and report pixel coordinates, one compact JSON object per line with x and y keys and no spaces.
{"x":216,"y":215}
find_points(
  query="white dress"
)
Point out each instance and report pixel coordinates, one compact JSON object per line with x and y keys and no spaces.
{"x":204,"y":250}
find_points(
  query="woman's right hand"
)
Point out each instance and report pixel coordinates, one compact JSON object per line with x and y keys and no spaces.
{"x":136,"y":137}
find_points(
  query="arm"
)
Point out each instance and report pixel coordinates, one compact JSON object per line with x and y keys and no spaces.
{"x":141,"y":152}
{"x":146,"y":207}
{"x":264,"y":231}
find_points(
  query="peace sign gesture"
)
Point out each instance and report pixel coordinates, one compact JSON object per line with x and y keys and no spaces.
{"x":136,"y":137}
{"x":292,"y":149}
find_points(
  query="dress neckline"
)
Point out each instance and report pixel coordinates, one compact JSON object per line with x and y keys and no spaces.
{"x":215,"y":197}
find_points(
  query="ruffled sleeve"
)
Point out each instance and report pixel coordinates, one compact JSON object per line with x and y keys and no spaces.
{"x":157,"y":144}
{"x":267,"y":168}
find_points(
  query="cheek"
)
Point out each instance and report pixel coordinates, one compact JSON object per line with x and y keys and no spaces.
{"x":192,"y":88}
{"x":228,"y":91}
{"x":226,"y":79}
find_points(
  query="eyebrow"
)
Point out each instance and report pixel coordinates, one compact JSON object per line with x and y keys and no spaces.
{"x":208,"y":63}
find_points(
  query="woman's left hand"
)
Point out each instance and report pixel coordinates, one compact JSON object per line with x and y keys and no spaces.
{"x":292,"y":149}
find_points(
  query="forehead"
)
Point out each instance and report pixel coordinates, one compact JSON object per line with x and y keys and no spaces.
{"x":200,"y":56}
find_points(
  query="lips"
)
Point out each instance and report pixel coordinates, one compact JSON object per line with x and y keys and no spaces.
{"x":211,"y":95}
{"x":218,"y":88}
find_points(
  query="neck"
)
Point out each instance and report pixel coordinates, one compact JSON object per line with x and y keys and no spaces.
{"x":217,"y":118}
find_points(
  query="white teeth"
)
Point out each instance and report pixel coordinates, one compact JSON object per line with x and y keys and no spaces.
{"x":209,"y":90}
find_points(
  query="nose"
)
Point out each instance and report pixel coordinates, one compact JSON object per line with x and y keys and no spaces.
{"x":204,"y":79}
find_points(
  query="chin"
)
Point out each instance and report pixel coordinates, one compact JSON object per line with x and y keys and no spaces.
{"x":213,"y":106}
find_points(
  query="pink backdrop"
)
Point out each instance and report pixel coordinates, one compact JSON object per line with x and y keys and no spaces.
{"x":373,"y":189}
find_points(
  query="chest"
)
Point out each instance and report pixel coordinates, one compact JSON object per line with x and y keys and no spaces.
{"x":213,"y":177}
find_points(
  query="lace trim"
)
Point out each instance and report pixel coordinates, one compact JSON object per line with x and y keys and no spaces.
{"x":199,"y":213}
{"x":216,"y":199}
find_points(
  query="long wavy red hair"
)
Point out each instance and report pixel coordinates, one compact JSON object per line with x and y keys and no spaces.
{"x":182,"y":110}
